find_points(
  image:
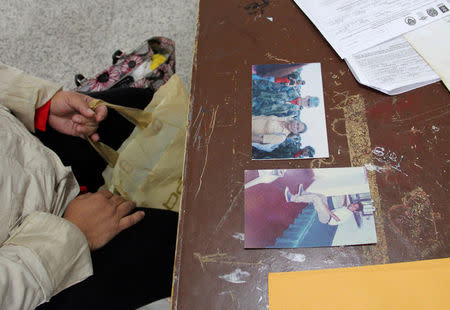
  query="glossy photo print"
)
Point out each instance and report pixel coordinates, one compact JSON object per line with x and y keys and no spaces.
{"x":296,"y":208}
{"x":288,"y":112}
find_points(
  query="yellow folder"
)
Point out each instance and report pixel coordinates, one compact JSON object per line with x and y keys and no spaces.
{"x":412,"y":285}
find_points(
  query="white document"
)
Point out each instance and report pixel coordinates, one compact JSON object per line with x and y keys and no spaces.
{"x":432,"y":43}
{"x":352,"y":26}
{"x":392,"y":67}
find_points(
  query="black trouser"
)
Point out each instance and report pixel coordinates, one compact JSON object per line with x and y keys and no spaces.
{"x":135,"y":268}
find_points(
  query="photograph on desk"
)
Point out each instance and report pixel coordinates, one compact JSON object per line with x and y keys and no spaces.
{"x":296,"y":208}
{"x":288,"y":112}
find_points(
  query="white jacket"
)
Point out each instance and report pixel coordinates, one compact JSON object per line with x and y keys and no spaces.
{"x":40,"y":252}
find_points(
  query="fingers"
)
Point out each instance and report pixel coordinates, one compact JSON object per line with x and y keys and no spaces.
{"x":130,"y":220}
{"x":100,"y":113}
{"x":123,"y":205}
{"x":116,"y":200}
{"x":106,"y":193}
{"x":80,"y":103}
{"x":83,"y":103}
{"x":82,"y":107}
{"x":82,"y":120}
{"x":87,"y":120}
{"x":84,"y":126}
{"x":125,"y":208}
{"x":95,"y":137}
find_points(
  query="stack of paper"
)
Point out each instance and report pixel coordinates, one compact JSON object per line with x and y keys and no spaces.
{"x":368,"y":35}
{"x":392,"y":67}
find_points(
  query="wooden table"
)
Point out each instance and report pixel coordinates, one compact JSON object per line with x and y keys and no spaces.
{"x":404,"y":136}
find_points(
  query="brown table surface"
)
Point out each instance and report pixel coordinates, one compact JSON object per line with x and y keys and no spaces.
{"x":407,"y":135}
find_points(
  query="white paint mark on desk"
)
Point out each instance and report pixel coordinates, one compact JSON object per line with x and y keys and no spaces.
{"x":236,"y":276}
{"x":372,"y":167}
{"x":239,"y":236}
{"x":295,"y":257}
{"x":328,"y":261}
{"x":388,"y":158}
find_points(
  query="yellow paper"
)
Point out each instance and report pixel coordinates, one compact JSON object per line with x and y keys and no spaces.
{"x":412,"y":285}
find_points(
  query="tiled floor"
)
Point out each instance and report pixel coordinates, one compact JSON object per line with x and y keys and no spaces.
{"x":55,"y":39}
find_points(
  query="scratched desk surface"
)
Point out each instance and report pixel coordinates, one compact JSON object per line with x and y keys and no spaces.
{"x":402,"y":139}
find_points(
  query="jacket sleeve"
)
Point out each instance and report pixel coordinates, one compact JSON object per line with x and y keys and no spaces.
{"x":43,"y":256}
{"x":22,"y":94}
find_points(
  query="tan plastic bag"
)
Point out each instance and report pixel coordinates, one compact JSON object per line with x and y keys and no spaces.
{"x":148,"y":166}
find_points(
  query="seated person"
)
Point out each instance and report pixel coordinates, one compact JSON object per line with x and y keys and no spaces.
{"x":274,"y":129}
{"x":320,"y":203}
{"x":52,"y":238}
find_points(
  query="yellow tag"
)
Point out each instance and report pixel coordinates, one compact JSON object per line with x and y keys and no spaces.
{"x":157,"y":59}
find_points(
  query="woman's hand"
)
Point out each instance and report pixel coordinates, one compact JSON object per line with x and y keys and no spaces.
{"x":101,"y":216}
{"x":70,"y":114}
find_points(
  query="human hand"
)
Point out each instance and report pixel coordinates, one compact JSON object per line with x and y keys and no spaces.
{"x":101,"y":216}
{"x":70,"y":114}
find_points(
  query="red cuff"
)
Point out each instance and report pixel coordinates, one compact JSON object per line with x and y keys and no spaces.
{"x":83,"y":189}
{"x":41,"y":116}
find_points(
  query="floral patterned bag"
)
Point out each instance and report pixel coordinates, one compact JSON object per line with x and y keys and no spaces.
{"x":149,"y":66}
